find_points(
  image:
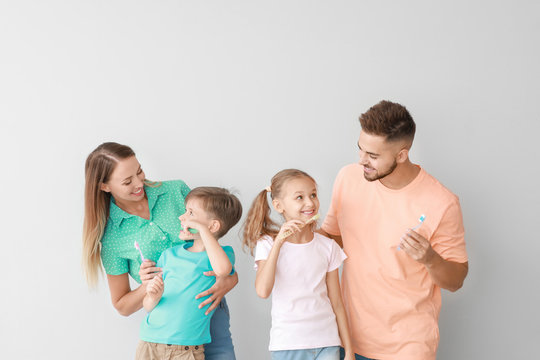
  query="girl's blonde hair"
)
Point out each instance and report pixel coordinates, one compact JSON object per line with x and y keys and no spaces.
{"x":258,"y":222}
{"x":98,"y":168}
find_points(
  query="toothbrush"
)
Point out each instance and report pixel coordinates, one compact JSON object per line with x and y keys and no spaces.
{"x":290,"y":232}
{"x":193,"y":231}
{"x":421,"y":221}
{"x":140,"y":252}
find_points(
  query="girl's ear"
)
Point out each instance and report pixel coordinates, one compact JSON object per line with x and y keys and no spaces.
{"x":277,"y":205}
{"x":105,"y":187}
{"x":214,"y":227}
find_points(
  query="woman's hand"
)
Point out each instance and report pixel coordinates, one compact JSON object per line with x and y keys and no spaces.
{"x":148,"y":271}
{"x":215,"y":294}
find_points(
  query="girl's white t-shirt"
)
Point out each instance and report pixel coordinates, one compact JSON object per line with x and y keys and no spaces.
{"x":302,"y":315}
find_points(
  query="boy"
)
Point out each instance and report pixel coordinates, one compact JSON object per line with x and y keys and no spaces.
{"x":175,"y":327}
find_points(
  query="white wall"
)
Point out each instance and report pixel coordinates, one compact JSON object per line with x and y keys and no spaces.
{"x":229,"y":92}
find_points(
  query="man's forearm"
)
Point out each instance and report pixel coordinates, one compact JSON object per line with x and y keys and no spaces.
{"x":446,"y":274}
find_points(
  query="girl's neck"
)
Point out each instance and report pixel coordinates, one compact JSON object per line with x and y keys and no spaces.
{"x":303,"y":237}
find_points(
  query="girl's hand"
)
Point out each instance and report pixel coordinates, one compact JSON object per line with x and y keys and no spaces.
{"x":349,"y":356}
{"x":148,"y":271}
{"x":215,"y":294}
{"x":292,"y":225}
{"x":154,"y":289}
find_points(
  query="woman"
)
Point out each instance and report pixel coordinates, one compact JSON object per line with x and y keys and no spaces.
{"x":122,"y":207}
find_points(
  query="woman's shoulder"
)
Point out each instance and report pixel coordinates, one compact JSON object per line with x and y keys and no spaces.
{"x":176,"y":186}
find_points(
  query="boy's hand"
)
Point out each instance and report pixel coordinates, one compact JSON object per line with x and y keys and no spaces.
{"x":154,"y":289}
{"x":190,"y":224}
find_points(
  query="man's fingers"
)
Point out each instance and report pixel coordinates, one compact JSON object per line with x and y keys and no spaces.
{"x":203,"y":294}
{"x":212,"y":307}
{"x":206,"y":302}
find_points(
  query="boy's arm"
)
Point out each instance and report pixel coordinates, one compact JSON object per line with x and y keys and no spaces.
{"x":334,"y":293}
{"x":154,"y":292}
{"x":221,"y":265}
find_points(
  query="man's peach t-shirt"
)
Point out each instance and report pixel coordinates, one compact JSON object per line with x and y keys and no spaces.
{"x":393,"y":304}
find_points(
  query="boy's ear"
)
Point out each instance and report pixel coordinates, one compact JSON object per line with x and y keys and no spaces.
{"x":277,"y":206}
{"x":215,"y":226}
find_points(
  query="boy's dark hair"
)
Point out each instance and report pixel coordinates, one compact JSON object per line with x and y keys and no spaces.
{"x":221,"y":204}
{"x":390,"y":120}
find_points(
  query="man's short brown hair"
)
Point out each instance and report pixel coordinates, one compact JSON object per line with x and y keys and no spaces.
{"x":220,"y":204}
{"x":390,"y":120}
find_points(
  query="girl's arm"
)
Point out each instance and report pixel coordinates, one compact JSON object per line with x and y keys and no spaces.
{"x":125,"y":300}
{"x":266,"y":269}
{"x":334,"y":293}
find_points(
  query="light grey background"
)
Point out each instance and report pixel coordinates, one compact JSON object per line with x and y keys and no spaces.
{"x":227,"y":93}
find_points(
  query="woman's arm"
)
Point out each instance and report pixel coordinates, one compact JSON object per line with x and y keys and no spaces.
{"x":125,"y":300}
{"x":334,"y":293}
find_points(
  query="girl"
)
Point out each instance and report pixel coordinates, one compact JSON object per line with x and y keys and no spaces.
{"x":301,"y":270}
{"x":122,"y":207}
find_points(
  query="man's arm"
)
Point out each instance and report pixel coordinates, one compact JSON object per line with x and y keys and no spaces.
{"x":446,"y":274}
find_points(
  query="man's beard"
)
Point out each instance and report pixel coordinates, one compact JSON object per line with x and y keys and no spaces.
{"x":386,"y":173}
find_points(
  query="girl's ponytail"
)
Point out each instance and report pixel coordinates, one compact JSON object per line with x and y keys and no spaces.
{"x":258,"y":222}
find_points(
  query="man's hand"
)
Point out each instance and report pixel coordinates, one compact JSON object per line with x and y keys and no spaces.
{"x":446,"y":274}
{"x":417,"y":247}
{"x":223,"y":285}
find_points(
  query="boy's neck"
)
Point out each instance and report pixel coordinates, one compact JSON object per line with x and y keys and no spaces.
{"x":198,"y":246}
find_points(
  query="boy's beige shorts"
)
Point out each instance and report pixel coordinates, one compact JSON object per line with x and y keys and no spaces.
{"x":154,"y":351}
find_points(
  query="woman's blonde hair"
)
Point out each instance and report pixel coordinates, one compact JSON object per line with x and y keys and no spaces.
{"x":98,"y":168}
{"x":258,"y":221}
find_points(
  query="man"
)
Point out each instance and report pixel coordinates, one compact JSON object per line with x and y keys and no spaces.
{"x":397,"y":263}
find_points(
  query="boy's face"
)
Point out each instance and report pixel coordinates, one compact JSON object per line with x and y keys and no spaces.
{"x":194,"y":218}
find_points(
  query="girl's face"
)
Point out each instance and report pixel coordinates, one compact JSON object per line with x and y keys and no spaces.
{"x":298,"y":200}
{"x":126,"y":183}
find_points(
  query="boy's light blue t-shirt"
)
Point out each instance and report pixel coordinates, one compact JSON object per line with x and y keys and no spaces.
{"x":176,"y":319}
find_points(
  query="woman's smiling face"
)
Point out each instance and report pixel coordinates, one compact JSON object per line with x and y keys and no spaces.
{"x":126,"y":183}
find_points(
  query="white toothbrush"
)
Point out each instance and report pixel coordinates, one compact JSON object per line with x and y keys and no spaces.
{"x":421,"y":221}
{"x":140,"y":252}
{"x":290,"y":232}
